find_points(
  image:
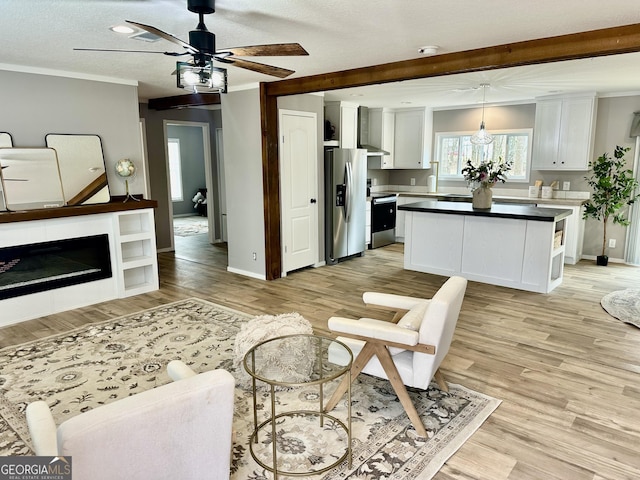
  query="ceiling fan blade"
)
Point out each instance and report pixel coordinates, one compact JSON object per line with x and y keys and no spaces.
{"x":257,"y":67}
{"x":271,"y":50}
{"x":165,"y":35}
{"x":172,"y":54}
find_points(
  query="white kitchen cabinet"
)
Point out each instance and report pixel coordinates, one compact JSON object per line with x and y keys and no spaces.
{"x":412,"y":138}
{"x":563,"y":135}
{"x":381,"y":134}
{"x":401,"y":215}
{"x":574,"y":232}
{"x":512,"y":252}
{"x":344,"y":117}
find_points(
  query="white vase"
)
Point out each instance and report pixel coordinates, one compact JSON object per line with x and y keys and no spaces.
{"x":482,"y":198}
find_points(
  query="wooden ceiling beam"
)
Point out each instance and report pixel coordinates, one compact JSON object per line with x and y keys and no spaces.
{"x":184,"y":101}
{"x":607,"y":41}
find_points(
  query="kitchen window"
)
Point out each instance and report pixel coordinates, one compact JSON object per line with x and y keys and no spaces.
{"x":453,"y":149}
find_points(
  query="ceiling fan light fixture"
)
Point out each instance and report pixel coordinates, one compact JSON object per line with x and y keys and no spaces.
{"x":201,"y":79}
{"x":482,"y":137}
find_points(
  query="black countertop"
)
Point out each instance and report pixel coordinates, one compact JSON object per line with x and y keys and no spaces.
{"x":520,"y":212}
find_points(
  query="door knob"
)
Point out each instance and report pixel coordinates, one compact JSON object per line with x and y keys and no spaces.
{"x":313,"y":200}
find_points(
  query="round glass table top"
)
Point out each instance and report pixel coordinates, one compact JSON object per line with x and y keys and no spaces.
{"x":296,"y":360}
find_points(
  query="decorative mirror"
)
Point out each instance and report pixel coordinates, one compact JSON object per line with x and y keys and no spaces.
{"x":30,"y":178}
{"x":82,"y":170}
{"x":5,"y":141}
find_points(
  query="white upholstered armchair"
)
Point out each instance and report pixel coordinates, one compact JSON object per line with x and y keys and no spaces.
{"x":408,"y":352}
{"x":178,"y":430}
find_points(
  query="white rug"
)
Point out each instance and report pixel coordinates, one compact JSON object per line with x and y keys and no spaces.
{"x":100,"y":363}
{"x":188,"y":226}
{"x":623,"y":305}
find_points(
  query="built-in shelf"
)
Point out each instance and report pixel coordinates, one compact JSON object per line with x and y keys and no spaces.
{"x":136,"y":245}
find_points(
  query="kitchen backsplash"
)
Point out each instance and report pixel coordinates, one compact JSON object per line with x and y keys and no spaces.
{"x":506,"y":192}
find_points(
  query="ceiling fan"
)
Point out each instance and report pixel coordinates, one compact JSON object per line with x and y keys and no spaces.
{"x":202,"y":48}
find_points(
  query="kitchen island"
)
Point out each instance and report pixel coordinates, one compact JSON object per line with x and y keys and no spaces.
{"x":514,"y":246}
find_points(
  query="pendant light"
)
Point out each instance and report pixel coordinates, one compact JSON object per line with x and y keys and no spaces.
{"x":482,"y":137}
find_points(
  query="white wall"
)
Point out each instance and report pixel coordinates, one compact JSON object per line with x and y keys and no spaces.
{"x":243,"y":178}
{"x":36,"y":104}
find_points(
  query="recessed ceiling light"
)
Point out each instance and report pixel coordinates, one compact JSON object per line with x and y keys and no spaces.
{"x":122,"y":29}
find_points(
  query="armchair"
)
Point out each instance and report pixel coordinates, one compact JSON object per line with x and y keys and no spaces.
{"x":408,"y":352}
{"x":179,"y":430}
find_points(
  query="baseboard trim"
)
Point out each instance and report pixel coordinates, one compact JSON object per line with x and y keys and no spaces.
{"x":611,"y":260}
{"x":247,"y":273}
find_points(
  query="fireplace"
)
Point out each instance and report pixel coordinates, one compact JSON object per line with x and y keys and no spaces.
{"x":38,"y":267}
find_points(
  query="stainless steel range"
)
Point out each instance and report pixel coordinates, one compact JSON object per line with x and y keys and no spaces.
{"x":383,"y":220}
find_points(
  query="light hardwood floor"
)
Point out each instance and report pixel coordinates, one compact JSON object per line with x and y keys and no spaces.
{"x":567,"y":373}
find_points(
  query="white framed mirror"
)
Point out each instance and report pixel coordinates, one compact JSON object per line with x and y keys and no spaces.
{"x":5,"y":141}
{"x":82,"y":169}
{"x":31,"y":178}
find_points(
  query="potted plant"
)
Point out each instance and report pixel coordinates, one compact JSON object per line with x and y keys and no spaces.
{"x":613,"y":189}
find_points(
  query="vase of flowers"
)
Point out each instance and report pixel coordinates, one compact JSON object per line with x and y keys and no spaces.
{"x":482,"y":177}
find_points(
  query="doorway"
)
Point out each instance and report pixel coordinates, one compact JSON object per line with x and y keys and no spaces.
{"x":191,"y":196}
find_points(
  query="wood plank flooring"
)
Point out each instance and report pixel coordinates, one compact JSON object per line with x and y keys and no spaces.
{"x":568,"y":374}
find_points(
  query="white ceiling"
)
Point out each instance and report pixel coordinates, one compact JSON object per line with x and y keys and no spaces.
{"x":338,"y":34}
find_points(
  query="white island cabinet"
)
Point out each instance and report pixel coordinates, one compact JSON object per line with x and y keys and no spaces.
{"x":509,"y":245}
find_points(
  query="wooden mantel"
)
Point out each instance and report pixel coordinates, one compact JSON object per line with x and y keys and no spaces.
{"x":115,"y":205}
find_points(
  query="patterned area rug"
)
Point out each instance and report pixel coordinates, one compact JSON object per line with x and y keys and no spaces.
{"x":188,"y":226}
{"x":103,"y":362}
{"x":623,"y":305}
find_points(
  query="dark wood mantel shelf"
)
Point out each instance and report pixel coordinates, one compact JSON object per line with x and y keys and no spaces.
{"x":115,"y":205}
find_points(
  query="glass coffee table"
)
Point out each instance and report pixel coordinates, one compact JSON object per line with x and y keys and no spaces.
{"x":286,"y":365}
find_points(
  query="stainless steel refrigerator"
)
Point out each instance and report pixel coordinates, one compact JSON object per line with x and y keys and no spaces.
{"x":345,"y":173}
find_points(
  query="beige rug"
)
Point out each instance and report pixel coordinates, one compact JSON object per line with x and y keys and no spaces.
{"x":103,"y":362}
{"x":188,"y":226}
{"x":623,"y":305}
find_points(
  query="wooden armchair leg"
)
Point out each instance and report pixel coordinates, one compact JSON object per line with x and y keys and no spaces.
{"x":401,"y":391}
{"x":356,"y":367}
{"x":442,"y":383}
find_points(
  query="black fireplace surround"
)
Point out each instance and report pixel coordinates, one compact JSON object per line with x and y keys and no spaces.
{"x":39,"y":267}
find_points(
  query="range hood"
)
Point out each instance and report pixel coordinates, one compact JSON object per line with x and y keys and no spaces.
{"x":363,"y":134}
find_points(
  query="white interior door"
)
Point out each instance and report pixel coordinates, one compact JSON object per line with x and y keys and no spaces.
{"x":299,"y":195}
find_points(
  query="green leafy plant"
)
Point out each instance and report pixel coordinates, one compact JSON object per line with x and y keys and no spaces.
{"x":613,"y":189}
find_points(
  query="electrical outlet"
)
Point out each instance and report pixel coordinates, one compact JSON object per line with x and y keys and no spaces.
{"x":413,"y":181}
{"x":375,"y":182}
{"x":612,"y":243}
{"x":255,"y":256}
{"x":566,"y":185}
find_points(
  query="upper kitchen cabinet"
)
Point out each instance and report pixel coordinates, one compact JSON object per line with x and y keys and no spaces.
{"x":563,"y":135}
{"x":412,"y":138}
{"x":344,"y":118}
{"x":381,"y":135}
